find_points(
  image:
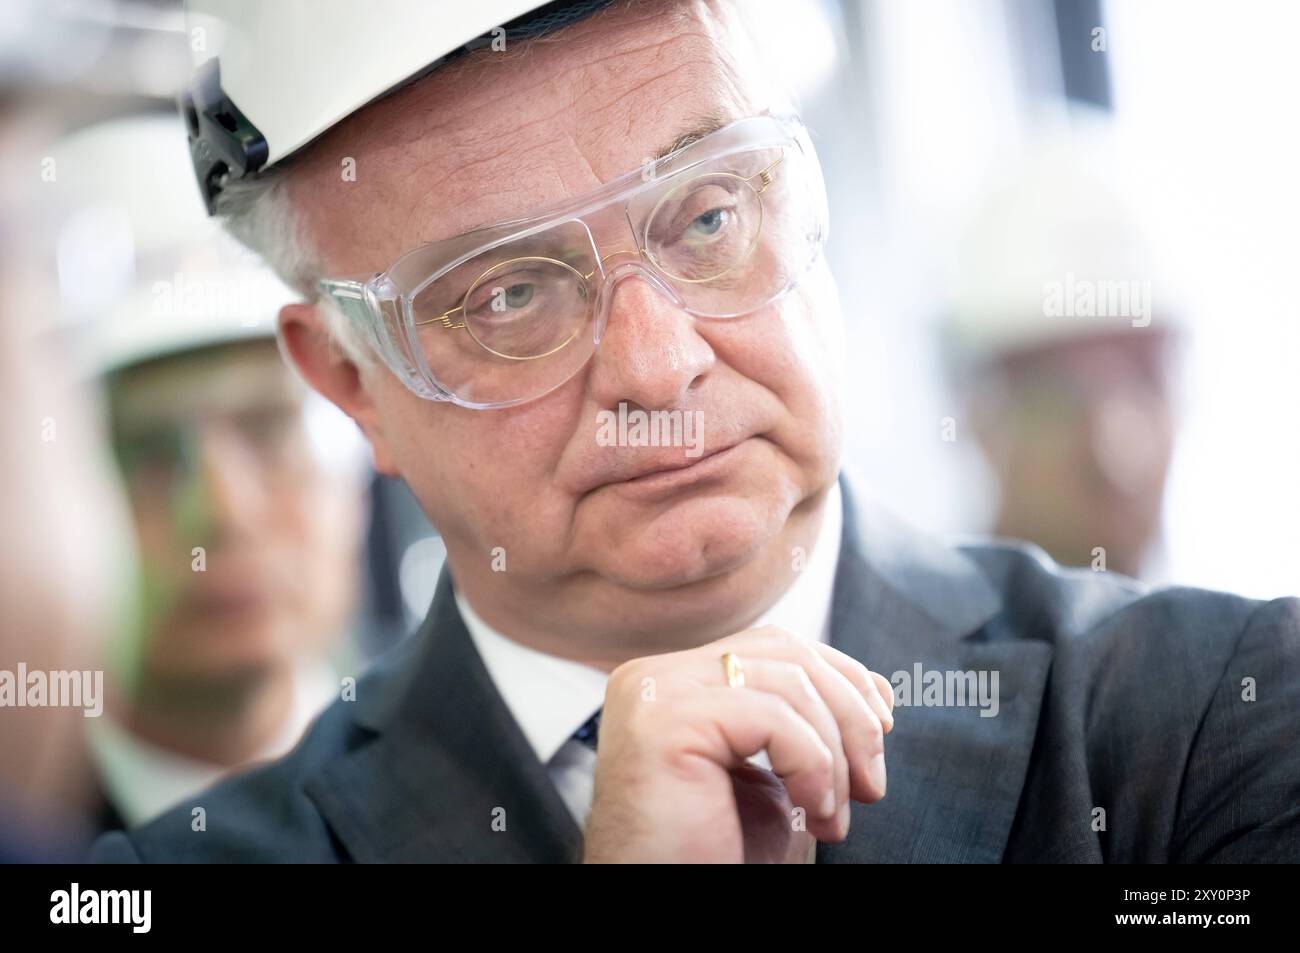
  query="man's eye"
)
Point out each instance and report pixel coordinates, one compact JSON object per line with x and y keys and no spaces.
{"x":506,"y":301}
{"x":700,"y":216}
{"x":507,"y":298}
{"x":707,"y":225}
{"x":516,"y":296}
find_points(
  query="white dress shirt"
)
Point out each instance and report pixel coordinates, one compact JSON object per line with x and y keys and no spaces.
{"x":552,"y":697}
{"x":142,"y":780}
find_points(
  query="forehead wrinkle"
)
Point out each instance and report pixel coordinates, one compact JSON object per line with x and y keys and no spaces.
{"x":573,"y":180}
{"x":517,"y":187}
{"x":579,"y":75}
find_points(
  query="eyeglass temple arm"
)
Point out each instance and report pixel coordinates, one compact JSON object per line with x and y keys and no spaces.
{"x":349,"y":296}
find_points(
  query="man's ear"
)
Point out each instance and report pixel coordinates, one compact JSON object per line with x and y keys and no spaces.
{"x":307,"y":343}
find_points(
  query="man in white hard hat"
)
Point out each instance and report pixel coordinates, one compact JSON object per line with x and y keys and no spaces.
{"x":1062,"y":335}
{"x":248,"y":537}
{"x":249,"y":556}
{"x":534,"y":270}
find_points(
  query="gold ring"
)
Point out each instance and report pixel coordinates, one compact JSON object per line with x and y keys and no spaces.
{"x":735,"y":674}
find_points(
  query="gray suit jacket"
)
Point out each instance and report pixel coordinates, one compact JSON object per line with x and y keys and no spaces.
{"x":1123,"y":733}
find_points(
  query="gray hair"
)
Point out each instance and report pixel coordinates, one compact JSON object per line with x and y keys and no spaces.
{"x":258,"y":213}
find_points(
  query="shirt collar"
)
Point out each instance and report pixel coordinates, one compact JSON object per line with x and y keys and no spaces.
{"x":552,"y":697}
{"x":142,"y":779}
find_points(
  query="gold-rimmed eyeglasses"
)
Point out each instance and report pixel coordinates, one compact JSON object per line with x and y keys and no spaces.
{"x":720,"y":227}
{"x":693,"y":262}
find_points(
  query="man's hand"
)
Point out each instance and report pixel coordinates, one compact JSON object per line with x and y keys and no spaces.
{"x":672,"y":781}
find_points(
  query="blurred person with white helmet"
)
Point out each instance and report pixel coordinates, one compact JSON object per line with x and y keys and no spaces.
{"x":249,"y":529}
{"x":67,"y":561}
{"x":1062,"y":331}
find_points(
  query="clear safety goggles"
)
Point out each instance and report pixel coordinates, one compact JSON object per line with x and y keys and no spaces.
{"x":507,"y":313}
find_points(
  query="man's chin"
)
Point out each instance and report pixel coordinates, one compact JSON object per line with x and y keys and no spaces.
{"x":694,"y":543}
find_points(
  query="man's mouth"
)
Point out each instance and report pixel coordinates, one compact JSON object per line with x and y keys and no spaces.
{"x":669,"y":476}
{"x":675,"y":465}
{"x":241,"y":585}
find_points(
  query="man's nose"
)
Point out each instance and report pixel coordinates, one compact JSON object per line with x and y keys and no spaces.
{"x":650,"y":352}
{"x":232,"y":482}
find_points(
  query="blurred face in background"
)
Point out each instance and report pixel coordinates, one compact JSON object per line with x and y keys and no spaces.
{"x":1081,"y":435}
{"x":215,"y":454}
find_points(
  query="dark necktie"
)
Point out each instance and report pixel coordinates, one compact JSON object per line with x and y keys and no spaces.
{"x":589,"y":733}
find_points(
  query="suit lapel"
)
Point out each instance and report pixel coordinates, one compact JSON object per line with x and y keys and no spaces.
{"x":450,"y":775}
{"x":902,"y":600}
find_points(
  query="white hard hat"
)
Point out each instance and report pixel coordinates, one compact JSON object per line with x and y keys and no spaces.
{"x":272,"y":76}
{"x":143,"y":272}
{"x":190,"y":311}
{"x":1060,"y":224}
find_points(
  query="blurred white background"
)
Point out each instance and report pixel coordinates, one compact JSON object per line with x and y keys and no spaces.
{"x":928,"y":101}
